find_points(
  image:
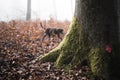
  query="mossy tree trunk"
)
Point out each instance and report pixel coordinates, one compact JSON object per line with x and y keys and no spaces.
{"x":92,"y":36}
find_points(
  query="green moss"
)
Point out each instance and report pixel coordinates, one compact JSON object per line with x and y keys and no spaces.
{"x":50,"y":57}
{"x":99,"y":61}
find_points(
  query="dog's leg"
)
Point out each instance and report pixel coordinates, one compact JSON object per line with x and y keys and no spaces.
{"x":58,"y":35}
{"x":43,"y":39}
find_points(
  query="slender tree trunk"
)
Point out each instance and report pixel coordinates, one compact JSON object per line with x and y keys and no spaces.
{"x":28,"y":16}
{"x":92,"y":36}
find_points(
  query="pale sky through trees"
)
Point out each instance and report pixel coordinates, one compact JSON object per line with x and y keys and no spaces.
{"x":43,"y":9}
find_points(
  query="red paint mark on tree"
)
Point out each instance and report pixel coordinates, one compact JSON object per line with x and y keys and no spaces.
{"x":108,"y":48}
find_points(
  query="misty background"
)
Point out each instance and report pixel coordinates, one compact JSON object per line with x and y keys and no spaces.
{"x":41,"y":9}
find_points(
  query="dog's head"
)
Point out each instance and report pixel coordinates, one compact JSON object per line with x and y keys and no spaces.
{"x":60,"y":31}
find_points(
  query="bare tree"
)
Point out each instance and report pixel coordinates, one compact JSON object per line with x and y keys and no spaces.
{"x":28,"y":15}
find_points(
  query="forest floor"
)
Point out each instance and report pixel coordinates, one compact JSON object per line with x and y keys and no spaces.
{"x":20,"y":45}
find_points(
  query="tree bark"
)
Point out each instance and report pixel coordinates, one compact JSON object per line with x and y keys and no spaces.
{"x":118,"y":13}
{"x":92,"y":36}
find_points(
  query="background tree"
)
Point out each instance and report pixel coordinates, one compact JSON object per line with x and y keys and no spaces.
{"x":28,"y":16}
{"x":92,"y":36}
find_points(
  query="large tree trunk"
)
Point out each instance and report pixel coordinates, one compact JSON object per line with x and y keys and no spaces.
{"x":93,"y":30}
{"x":118,"y":11}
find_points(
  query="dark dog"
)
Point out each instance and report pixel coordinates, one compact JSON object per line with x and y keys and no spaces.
{"x":53,"y":32}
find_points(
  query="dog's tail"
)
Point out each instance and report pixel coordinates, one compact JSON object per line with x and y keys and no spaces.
{"x":41,"y":25}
